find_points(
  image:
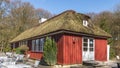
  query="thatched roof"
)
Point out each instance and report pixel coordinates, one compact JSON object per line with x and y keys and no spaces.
{"x":68,"y":20}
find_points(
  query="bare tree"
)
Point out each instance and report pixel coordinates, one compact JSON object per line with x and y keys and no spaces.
{"x":41,"y":13}
{"x":15,"y":17}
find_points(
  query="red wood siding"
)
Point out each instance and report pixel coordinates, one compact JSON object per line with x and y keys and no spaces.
{"x":35,"y":55}
{"x":70,"y":49}
{"x":101,"y":49}
{"x":72,"y":53}
{"x":38,"y":55}
{"x":59,"y":40}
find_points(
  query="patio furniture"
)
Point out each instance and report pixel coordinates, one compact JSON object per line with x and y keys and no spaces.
{"x":117,"y":57}
{"x":15,"y":60}
{"x":36,"y":63}
{"x":118,"y":61}
{"x":12,"y":62}
{"x":2,"y":59}
{"x":21,"y":57}
{"x":9,"y":61}
{"x":9,"y":54}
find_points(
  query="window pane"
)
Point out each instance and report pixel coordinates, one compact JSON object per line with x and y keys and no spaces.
{"x":85,"y":40}
{"x":85,"y":44}
{"x":91,"y":41}
{"x":91,"y":45}
{"x":25,"y":42}
{"x":85,"y":49}
{"x":37,"y":45}
{"x":13,"y":45}
{"x":41,"y":44}
{"x":33,"y":45}
{"x":91,"y":49}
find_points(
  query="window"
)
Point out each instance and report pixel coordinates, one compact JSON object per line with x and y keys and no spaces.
{"x":88,"y":44}
{"x":33,"y":45}
{"x":37,"y":45}
{"x":85,"y":44}
{"x":41,"y":44}
{"x":22,"y":43}
{"x":13,"y":45}
{"x":91,"y":44}
{"x":85,"y":22}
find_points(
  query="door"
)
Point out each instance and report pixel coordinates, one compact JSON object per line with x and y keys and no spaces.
{"x":88,"y":49}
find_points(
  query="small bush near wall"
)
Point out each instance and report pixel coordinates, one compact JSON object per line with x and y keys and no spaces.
{"x":22,"y":49}
{"x":50,"y":51}
{"x":17,"y":50}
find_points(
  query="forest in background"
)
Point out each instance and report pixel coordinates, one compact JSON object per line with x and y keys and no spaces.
{"x":17,"y":16}
{"x":110,"y":22}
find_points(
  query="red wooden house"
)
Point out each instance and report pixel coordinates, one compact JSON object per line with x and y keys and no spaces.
{"x":77,"y":38}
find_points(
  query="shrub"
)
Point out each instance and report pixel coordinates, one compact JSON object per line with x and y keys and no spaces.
{"x":18,"y":51}
{"x":21,"y":49}
{"x":24,"y":48}
{"x":50,"y":51}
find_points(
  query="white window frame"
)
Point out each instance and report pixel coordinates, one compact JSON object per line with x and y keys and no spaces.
{"x":37,"y":45}
{"x":88,"y":43}
{"x":87,"y":54}
{"x":85,"y":23}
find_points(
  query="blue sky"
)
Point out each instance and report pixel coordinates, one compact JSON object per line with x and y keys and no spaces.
{"x":81,"y":6}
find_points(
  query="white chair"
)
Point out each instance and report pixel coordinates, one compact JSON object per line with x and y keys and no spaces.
{"x":9,"y":54}
{"x":118,"y":57}
{"x":15,"y":60}
{"x":36,"y":63}
{"x":21,"y":57}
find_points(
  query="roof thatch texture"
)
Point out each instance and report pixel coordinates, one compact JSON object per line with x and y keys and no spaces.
{"x":68,"y":20}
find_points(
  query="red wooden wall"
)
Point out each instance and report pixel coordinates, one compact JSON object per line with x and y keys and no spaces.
{"x":72,"y":49}
{"x":35,"y":55}
{"x":59,"y":40}
{"x":38,"y":55}
{"x":100,"y":49}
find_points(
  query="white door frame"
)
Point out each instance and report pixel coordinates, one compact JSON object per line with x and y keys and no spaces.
{"x":88,"y":51}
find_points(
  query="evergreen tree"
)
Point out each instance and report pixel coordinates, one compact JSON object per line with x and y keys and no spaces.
{"x":50,"y":51}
